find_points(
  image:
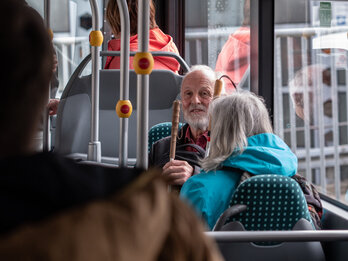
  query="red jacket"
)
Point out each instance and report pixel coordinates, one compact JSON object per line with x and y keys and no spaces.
{"x":158,"y":41}
{"x":234,"y":59}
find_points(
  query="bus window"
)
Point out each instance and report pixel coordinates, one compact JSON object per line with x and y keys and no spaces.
{"x":310,"y":95}
{"x":71,"y":22}
{"x":217,"y":33}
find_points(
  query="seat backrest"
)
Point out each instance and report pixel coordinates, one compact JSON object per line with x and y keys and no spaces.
{"x":73,"y":118}
{"x":160,"y":131}
{"x":232,"y":250}
{"x":268,"y":202}
{"x":273,"y":202}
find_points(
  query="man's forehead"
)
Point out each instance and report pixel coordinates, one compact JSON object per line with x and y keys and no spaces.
{"x":197,"y":79}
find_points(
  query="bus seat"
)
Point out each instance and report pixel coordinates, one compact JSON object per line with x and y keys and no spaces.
{"x":268,"y":203}
{"x":73,"y":117}
{"x":160,"y":131}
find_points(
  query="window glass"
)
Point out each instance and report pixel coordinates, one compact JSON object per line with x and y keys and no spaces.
{"x":71,"y":22}
{"x":217,"y":34}
{"x":311,"y":89}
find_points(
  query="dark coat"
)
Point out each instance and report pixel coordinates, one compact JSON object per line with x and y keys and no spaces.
{"x":159,"y":154}
{"x":63,"y":212}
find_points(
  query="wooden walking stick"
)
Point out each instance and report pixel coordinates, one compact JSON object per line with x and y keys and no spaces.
{"x":175,"y":127}
{"x":174,"y":134}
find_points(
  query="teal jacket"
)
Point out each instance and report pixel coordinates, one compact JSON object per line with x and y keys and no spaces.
{"x":210,"y":193}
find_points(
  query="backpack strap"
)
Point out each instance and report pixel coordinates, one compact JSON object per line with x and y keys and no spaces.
{"x":315,"y":206}
{"x":199,"y":149}
{"x":192,"y":157}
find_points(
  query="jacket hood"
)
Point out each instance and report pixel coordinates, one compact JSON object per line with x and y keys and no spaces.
{"x":265,"y":154}
{"x":158,"y":41}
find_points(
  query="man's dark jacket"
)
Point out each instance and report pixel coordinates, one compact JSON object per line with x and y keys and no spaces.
{"x":159,"y":154}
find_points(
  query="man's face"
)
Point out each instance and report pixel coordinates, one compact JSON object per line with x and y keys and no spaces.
{"x":196,"y":95}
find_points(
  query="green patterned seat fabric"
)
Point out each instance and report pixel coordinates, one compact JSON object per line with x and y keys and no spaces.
{"x":160,"y":131}
{"x":273,"y":203}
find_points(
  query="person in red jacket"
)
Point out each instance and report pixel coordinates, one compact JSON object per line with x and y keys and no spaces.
{"x":233,"y":59}
{"x":158,"y":41}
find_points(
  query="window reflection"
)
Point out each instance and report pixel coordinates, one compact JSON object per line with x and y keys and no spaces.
{"x":234,"y":58}
{"x":311,"y":89}
{"x":217,"y":34}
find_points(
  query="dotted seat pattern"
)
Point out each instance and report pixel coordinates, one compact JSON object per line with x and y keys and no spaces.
{"x":160,"y":131}
{"x":273,"y":203}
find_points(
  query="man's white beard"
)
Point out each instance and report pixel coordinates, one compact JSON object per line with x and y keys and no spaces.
{"x":195,"y":121}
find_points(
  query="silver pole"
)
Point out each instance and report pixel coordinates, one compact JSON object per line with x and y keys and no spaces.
{"x":124,"y":80}
{"x":94,"y":148}
{"x":278,"y":123}
{"x":335,"y":127}
{"x":318,"y":83}
{"x":290,"y":53}
{"x":46,"y":137}
{"x":307,"y":111}
{"x":287,"y":236}
{"x":143,"y":87}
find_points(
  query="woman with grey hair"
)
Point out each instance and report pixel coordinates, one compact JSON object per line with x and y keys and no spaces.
{"x":242,"y":140}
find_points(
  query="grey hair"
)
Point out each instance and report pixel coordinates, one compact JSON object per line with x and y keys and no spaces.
{"x":234,"y":118}
{"x":209,"y":72}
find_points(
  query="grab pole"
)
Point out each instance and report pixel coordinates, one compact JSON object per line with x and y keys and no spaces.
{"x":124,"y":106}
{"x":96,"y":40}
{"x":143,"y":64}
{"x":46,"y":136}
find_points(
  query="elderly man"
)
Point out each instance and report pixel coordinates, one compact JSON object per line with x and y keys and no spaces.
{"x":196,"y":94}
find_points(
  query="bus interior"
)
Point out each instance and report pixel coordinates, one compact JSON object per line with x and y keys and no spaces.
{"x":275,"y":40}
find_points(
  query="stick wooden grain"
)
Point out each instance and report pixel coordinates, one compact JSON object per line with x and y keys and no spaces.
{"x":175,"y":126}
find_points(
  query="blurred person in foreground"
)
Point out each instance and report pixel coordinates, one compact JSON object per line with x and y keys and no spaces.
{"x":56,"y":209}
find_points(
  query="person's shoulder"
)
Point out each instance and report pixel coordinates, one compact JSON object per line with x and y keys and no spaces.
{"x":198,"y":182}
{"x":158,"y":33}
{"x":165,"y":40}
{"x":210,"y":180}
{"x":35,"y":163}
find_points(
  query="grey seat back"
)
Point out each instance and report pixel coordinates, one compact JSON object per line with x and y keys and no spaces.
{"x":245,"y":251}
{"x":268,"y":203}
{"x":73,"y":118}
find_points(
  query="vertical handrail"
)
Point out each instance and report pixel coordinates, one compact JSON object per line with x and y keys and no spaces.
{"x":318,"y":81}
{"x":143,"y":87}
{"x":46,"y":137}
{"x":335,"y":130}
{"x":124,"y":79}
{"x":279,"y":123}
{"x":307,"y":110}
{"x":94,"y":147}
{"x":292,"y":127}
